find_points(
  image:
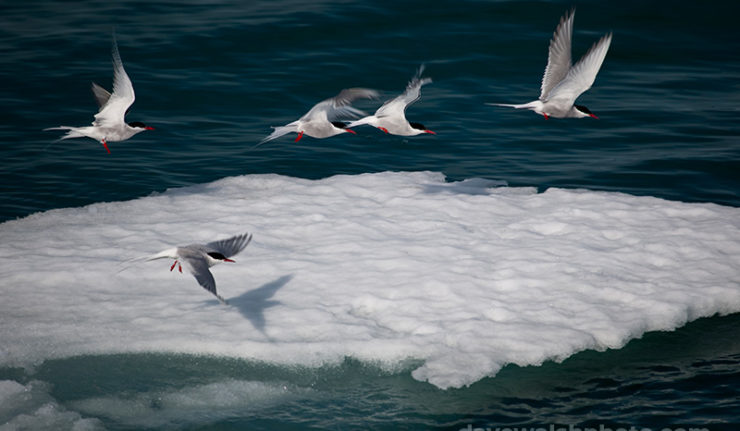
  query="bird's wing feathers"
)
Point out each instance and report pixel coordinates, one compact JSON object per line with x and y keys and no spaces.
{"x":411,"y":95}
{"x":349,"y":95}
{"x":101,"y":94}
{"x":558,"y":59}
{"x":114,"y":110}
{"x":339,"y":105}
{"x":199,"y":268}
{"x":121,"y":83}
{"x":582,"y":74}
{"x":231,"y":246}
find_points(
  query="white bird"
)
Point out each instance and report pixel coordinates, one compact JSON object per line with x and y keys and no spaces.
{"x":198,"y":258}
{"x":321,"y":120}
{"x":563,"y":82}
{"x":391,"y":117}
{"x":109,"y":124}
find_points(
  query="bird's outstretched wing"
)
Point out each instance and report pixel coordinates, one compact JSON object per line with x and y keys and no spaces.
{"x":339,"y":106}
{"x":101,"y":95}
{"x":231,"y":246}
{"x":583,"y":74}
{"x":397,"y":106}
{"x":199,"y":268}
{"x":112,"y":113}
{"x":559,"y":56}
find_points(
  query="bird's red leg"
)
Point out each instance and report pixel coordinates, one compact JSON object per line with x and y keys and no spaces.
{"x":105,"y":145}
{"x":383,"y":129}
{"x":179,"y":267}
{"x":546,"y":116}
{"x":300,"y":135}
{"x":173,"y":266}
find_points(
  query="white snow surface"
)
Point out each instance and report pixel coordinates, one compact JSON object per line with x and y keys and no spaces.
{"x":463,"y":277}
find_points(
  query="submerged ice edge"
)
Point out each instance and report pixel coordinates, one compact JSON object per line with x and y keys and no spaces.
{"x":32,"y":406}
{"x":465,"y":277}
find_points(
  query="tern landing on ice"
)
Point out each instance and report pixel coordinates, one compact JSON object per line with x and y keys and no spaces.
{"x":391,"y":117}
{"x":109,"y":124}
{"x":563,"y":82}
{"x":321,"y":120}
{"x":199,"y":257}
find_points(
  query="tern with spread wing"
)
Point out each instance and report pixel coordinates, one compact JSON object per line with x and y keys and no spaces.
{"x":198,"y":258}
{"x":391,"y":117}
{"x":322,"y":120}
{"x":109,"y":124}
{"x":564,"y":82}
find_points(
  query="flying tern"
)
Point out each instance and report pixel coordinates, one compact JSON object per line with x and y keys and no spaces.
{"x":198,"y":258}
{"x":563,"y":82}
{"x":109,"y":124}
{"x":322,"y":120}
{"x":391,"y":116}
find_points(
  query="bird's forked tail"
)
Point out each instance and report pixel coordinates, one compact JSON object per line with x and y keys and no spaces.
{"x":370,"y":119}
{"x":533,"y":105}
{"x":278,"y":132}
{"x":73,"y":132}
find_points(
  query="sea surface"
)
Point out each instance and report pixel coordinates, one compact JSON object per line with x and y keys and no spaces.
{"x":212,"y":77}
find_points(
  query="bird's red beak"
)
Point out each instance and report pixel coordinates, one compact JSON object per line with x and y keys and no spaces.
{"x":149,"y":128}
{"x":350,"y":131}
{"x":430,"y":132}
{"x":593,"y":116}
{"x":229,"y":260}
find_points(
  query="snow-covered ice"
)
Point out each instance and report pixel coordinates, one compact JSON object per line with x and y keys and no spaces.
{"x":463,"y":277}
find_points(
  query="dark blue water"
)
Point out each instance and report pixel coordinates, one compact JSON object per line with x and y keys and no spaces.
{"x":213,"y":76}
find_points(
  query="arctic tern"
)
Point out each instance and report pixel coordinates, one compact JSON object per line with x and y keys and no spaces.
{"x":109,"y":124}
{"x":198,"y":258}
{"x":391,"y":117}
{"x":321,"y":120}
{"x":564,"y":82}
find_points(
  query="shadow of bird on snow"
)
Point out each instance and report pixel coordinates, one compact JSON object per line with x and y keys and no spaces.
{"x":253,"y":303}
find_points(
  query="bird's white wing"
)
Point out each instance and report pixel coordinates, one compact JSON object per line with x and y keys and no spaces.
{"x":231,"y":246}
{"x":339,"y":105}
{"x":114,"y":110}
{"x":349,"y":95}
{"x":319,"y":112}
{"x":558,"y":58}
{"x":582,"y":74}
{"x":397,"y":106}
